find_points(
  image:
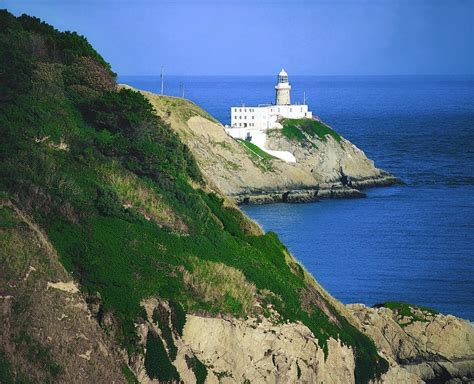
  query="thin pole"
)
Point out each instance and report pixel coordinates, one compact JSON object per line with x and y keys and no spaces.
{"x":304,"y":98}
{"x":162,"y":81}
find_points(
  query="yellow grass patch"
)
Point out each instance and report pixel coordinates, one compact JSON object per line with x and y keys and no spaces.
{"x":135,"y":193}
{"x":221,"y":285}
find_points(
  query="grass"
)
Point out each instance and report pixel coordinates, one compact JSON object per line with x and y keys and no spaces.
{"x":184,"y":109}
{"x":256,"y":149}
{"x":140,"y":194}
{"x":6,"y":371}
{"x":301,"y":129}
{"x":38,"y":354}
{"x":258,"y":156}
{"x":405,"y":311}
{"x":222,"y":286}
{"x":129,"y":375}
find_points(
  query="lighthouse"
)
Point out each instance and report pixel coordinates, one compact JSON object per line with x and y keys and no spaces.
{"x":251,"y":122}
{"x":282,"y":89}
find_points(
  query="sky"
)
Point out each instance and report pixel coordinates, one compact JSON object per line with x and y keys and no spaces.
{"x":259,"y":37}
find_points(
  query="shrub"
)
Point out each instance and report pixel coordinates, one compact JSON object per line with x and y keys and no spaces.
{"x":178,"y":316}
{"x":199,"y":369}
{"x":161,"y":317}
{"x":157,"y":363}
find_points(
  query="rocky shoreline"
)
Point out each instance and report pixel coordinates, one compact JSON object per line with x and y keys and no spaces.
{"x":299,"y":194}
{"x":433,"y":347}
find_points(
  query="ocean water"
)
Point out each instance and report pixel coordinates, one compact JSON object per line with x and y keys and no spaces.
{"x":412,"y":243}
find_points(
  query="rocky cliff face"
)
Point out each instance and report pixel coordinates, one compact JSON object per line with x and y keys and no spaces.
{"x":434,"y":347}
{"x":325,"y":168}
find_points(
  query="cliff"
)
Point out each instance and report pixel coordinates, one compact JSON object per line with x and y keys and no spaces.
{"x":328,"y":166}
{"x":121,"y":260}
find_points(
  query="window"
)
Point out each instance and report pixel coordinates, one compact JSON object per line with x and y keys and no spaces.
{"x":245,"y":117}
{"x":253,"y":117}
{"x":240,"y":110}
{"x":290,"y":110}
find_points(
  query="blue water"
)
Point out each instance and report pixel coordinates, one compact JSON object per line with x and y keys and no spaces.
{"x":412,"y":243}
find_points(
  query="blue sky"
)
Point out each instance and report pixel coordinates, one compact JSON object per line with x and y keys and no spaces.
{"x":230,"y":37}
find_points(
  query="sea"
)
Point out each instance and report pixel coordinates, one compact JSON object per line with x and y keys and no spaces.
{"x":413,"y":242}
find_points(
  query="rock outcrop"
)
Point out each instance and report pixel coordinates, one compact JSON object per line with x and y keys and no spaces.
{"x":324,"y":169}
{"x":258,"y":351}
{"x":438,"y":349}
{"x":434,"y":347}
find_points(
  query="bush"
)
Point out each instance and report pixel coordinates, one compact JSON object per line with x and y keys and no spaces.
{"x":199,"y":369}
{"x":157,"y":363}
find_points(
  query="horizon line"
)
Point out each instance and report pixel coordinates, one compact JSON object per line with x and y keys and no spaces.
{"x":320,"y":75}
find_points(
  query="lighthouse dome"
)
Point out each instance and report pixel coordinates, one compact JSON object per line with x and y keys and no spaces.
{"x":282,"y":77}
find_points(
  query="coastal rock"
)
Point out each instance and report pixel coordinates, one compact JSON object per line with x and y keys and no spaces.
{"x":326,"y":169}
{"x":429,"y":345}
{"x":261,"y":352}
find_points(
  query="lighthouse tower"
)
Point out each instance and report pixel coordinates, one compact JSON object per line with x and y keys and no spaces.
{"x":283,"y":89}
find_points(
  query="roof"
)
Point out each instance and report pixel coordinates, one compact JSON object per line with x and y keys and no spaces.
{"x":283,"y":73}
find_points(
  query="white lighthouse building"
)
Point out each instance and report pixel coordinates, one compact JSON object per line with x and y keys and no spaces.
{"x":283,"y":89}
{"x":251,"y":123}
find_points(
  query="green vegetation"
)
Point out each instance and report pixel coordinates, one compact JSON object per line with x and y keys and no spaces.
{"x":37,"y":354}
{"x":161,"y":317}
{"x":183,"y":109}
{"x":405,"y":312}
{"x":157,"y":363}
{"x":6,"y":375}
{"x":129,"y":376}
{"x":256,"y":150}
{"x":199,"y":369}
{"x":301,"y":129}
{"x":123,"y":202}
{"x":258,"y":156}
{"x":225,"y":288}
{"x":178,"y":316}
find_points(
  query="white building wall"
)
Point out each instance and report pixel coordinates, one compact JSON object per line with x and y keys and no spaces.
{"x":266,"y":117}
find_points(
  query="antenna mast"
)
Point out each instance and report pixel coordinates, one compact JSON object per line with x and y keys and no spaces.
{"x":162,"y":79}
{"x":304,"y":98}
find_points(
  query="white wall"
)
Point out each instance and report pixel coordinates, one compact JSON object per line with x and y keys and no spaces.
{"x":265,"y":117}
